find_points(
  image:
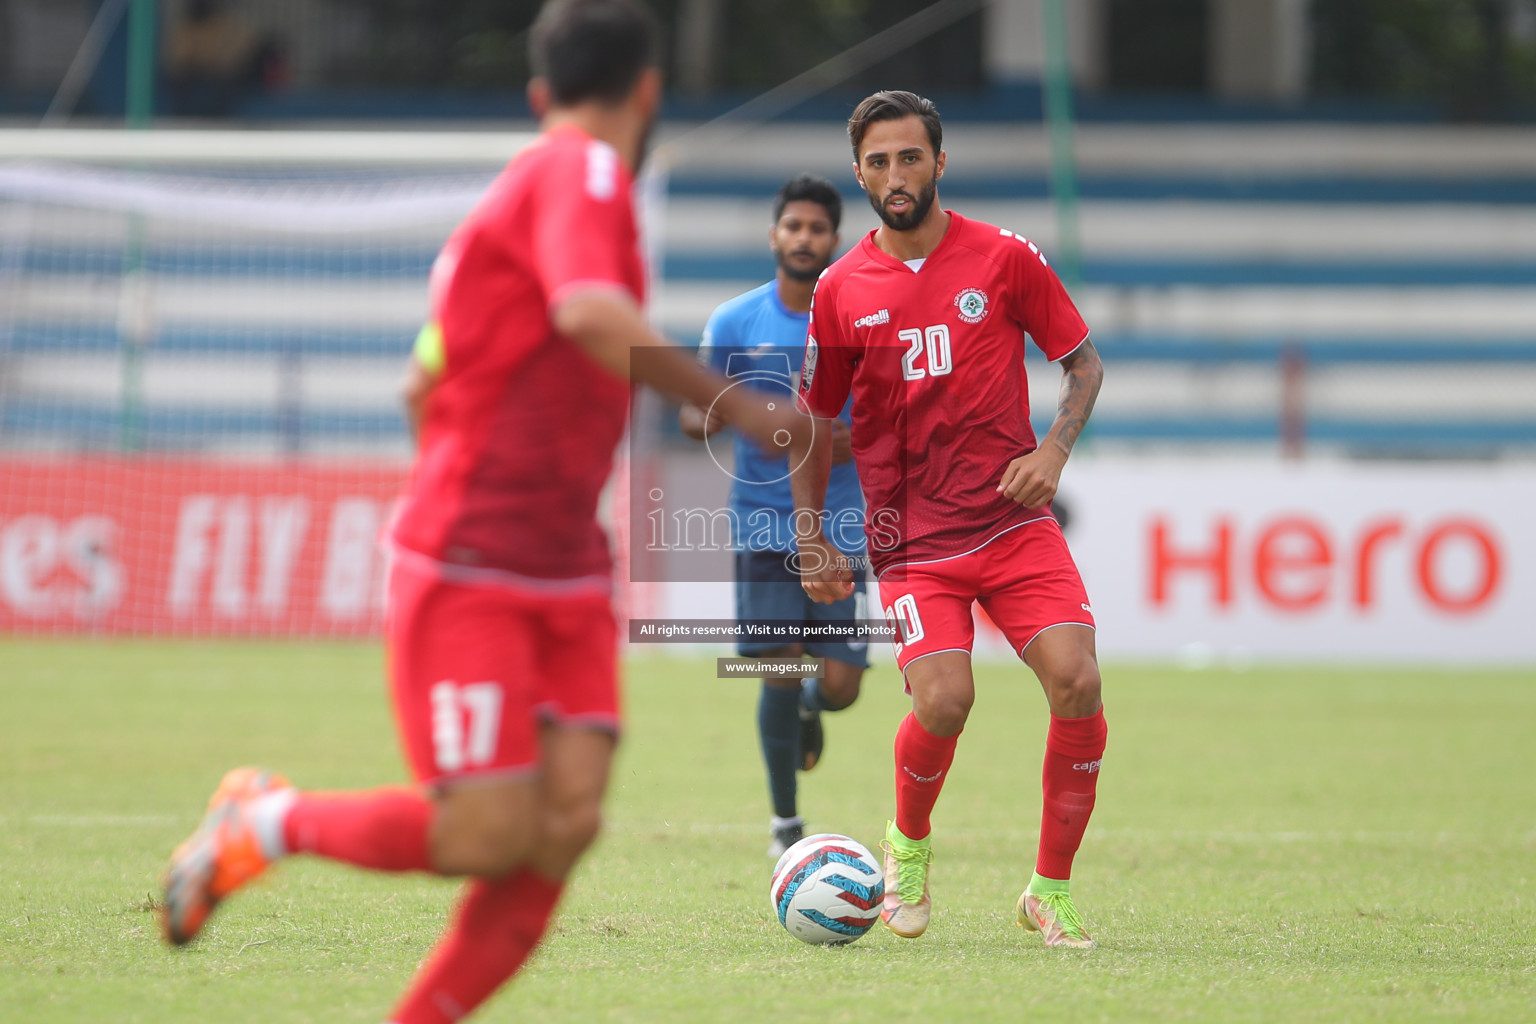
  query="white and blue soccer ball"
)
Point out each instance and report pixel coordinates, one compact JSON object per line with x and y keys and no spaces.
{"x":827,"y":889}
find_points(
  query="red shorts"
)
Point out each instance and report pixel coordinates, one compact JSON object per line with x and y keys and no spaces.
{"x":1024,"y":578}
{"x":475,"y":670}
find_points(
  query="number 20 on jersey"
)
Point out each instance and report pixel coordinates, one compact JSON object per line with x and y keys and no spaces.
{"x":932,"y":342}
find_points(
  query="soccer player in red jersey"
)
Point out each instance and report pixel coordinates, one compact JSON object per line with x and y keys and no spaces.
{"x":501,"y":634}
{"x":924,"y":322}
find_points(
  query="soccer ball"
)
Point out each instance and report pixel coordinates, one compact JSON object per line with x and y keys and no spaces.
{"x":827,"y":889}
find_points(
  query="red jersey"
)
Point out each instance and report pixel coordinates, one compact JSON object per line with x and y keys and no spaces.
{"x":517,"y":438}
{"x":935,"y":361}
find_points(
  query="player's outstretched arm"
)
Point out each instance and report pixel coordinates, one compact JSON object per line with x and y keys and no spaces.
{"x":824,"y":571}
{"x":1031,"y":479}
{"x":698,"y":424}
{"x":609,"y":327}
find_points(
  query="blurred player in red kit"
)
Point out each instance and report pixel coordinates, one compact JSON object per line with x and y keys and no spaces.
{"x":924,"y":322}
{"x":501,"y":633}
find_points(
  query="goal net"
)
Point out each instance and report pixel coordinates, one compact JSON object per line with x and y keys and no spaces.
{"x":201,"y":341}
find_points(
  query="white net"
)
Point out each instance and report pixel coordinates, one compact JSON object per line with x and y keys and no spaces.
{"x":199,"y":424}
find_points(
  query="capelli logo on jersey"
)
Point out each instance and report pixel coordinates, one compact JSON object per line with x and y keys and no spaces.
{"x":972,"y":304}
{"x":874,"y":319}
{"x":1088,"y":766}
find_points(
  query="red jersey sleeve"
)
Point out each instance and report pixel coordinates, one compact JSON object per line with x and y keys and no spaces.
{"x":826,"y":376}
{"x":1043,"y":305}
{"x":584,"y":230}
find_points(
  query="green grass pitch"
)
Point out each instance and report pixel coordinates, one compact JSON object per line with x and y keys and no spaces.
{"x":1270,"y":845}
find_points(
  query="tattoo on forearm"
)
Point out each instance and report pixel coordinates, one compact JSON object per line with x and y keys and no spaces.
{"x":1079,"y":389}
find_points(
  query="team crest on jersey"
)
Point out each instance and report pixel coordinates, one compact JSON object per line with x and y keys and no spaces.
{"x":808,"y":368}
{"x":972,"y":304}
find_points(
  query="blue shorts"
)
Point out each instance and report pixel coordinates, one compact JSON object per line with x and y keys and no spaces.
{"x":766,"y":588}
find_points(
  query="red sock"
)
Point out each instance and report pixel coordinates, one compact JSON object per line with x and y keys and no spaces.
{"x":385,"y":829}
{"x":921,"y":761}
{"x":498,"y":923}
{"x":1074,"y":748}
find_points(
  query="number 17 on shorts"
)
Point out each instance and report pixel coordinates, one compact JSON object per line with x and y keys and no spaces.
{"x":466,"y":723}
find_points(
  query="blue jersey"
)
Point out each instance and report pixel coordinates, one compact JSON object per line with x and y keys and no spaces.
{"x":756,"y":340}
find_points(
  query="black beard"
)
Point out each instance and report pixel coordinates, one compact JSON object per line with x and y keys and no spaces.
{"x":914,"y":216}
{"x":794,"y":273}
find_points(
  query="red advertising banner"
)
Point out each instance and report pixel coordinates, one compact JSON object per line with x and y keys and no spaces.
{"x":193,"y":547}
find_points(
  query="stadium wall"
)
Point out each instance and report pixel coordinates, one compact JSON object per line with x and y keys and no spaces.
{"x":212,"y":333}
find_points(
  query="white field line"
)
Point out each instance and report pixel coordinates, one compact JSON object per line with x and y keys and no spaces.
{"x":91,"y":820}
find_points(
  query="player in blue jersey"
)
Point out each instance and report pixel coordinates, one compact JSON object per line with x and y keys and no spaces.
{"x":759,"y":338}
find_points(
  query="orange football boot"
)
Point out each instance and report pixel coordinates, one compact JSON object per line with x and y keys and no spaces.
{"x":221,"y":856}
